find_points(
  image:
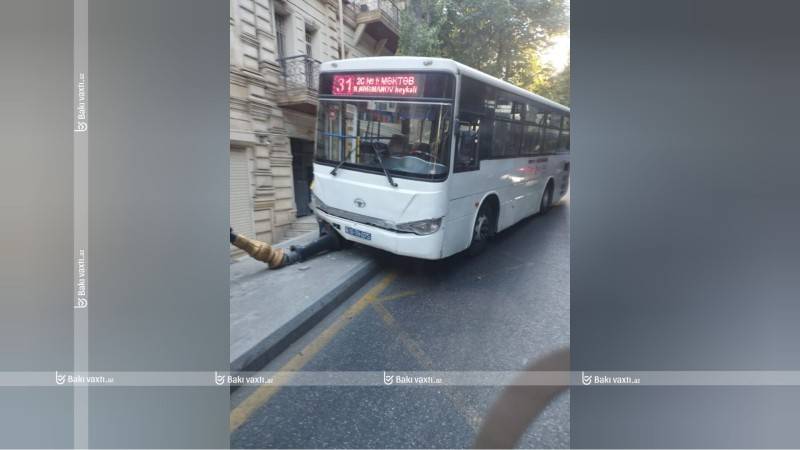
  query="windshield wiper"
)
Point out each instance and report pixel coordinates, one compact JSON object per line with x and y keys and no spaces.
{"x":380,"y":161}
{"x":377,"y":154}
{"x":346,"y":157}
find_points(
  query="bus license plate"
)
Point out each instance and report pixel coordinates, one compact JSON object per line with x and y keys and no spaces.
{"x":358,"y":233}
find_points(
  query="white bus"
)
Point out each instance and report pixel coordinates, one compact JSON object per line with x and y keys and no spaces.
{"x":427,"y":157}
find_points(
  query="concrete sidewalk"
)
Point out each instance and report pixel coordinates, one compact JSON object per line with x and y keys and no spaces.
{"x":270,"y":309}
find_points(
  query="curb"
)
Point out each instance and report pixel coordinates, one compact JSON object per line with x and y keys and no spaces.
{"x":268,"y":348}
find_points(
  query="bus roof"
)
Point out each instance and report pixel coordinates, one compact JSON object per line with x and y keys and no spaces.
{"x":421,"y":64}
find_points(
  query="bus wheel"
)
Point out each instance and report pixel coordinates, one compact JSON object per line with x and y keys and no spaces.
{"x":482,"y":230}
{"x":547,"y":199}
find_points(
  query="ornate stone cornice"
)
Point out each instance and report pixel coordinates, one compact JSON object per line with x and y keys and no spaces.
{"x":259,"y":108}
{"x":238,"y":104}
{"x":248,"y":38}
{"x":236,"y":77}
{"x":281,"y":159}
{"x":260,"y":32}
{"x":243,"y":137}
{"x":271,"y":66}
{"x":279,"y":130}
{"x":261,"y":205}
{"x":244,"y":75}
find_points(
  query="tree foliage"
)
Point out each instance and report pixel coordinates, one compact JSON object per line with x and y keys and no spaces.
{"x":556,"y":87}
{"x":503,"y":38}
{"x":419,"y":28}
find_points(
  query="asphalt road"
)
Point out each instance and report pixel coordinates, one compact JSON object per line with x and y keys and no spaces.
{"x":493,"y":312}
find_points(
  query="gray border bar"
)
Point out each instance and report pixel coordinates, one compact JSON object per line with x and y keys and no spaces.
{"x":80,"y":220}
{"x":399,"y":378}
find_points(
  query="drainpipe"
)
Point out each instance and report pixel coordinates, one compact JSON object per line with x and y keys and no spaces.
{"x":341,"y":29}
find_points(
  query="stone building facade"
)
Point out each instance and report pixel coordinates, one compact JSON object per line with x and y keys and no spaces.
{"x":275,"y":50}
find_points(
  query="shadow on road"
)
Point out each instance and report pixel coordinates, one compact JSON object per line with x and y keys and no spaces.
{"x":443,"y":267}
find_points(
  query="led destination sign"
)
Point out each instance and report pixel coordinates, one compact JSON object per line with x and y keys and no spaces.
{"x":372,"y":84}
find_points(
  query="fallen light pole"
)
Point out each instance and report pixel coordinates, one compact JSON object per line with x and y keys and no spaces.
{"x":277,"y":257}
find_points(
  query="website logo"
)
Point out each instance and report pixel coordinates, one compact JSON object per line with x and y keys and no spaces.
{"x":219,"y":379}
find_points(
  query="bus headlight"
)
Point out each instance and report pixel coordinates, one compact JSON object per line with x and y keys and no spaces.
{"x":421,"y":227}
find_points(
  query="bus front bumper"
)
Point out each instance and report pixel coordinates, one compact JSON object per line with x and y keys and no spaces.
{"x":406,"y":244}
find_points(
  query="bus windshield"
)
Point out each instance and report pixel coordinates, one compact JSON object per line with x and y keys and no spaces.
{"x":406,"y":138}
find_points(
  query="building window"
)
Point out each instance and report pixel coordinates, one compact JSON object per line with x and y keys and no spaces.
{"x":309,"y":43}
{"x":280,"y":33}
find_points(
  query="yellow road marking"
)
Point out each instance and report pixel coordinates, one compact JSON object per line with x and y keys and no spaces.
{"x":458,"y":400}
{"x":403,"y":294}
{"x":261,"y":396}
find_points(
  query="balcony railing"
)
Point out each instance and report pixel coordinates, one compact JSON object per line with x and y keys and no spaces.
{"x":387,"y":7}
{"x":300,"y":71}
{"x":300,"y":76}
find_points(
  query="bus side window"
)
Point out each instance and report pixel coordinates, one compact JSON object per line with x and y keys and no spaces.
{"x":502,"y":139}
{"x":486,"y":138}
{"x":564,"y":144}
{"x":467,"y":139}
{"x":516,"y":140}
{"x":550,"y":140}
{"x":531,"y":144}
{"x":477,"y":102}
{"x":552,"y":133}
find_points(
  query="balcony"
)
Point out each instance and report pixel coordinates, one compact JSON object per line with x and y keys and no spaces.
{"x":379,"y":19}
{"x":350,"y":14}
{"x":300,"y":75}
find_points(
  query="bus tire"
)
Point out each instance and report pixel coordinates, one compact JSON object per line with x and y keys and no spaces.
{"x":547,"y":198}
{"x":483,"y":229}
